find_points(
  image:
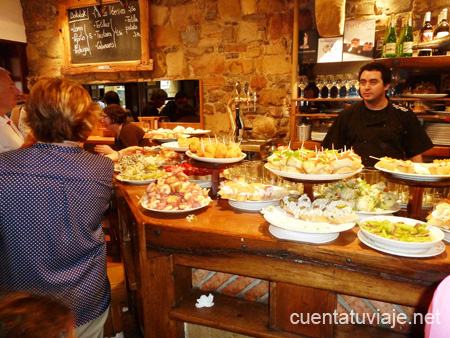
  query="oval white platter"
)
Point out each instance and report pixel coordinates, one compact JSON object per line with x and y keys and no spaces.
{"x":415,"y":177}
{"x":277,"y":217}
{"x":197,"y":132}
{"x":172,"y":211}
{"x":433,"y":251}
{"x":215,"y":160}
{"x":311,"y":177}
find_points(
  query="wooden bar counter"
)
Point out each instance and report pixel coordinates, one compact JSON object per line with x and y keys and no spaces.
{"x":160,"y":249}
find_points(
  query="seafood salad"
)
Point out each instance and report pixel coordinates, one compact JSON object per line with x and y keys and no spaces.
{"x":140,"y":166}
{"x":321,"y":210}
{"x":362,"y":196}
{"x":175,"y":192}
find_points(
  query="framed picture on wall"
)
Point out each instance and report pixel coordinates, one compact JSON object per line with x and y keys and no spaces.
{"x":307,"y":46}
{"x":359,"y":40}
{"x":329,"y":50}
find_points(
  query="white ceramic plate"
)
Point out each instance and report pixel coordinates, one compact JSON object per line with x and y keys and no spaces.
{"x":136,"y":182}
{"x":415,"y":177}
{"x":164,"y":140}
{"x":172,"y":211}
{"x":196,"y":132}
{"x":388,"y":212}
{"x":252,"y":205}
{"x":277,"y":217}
{"x":435,"y":250}
{"x":302,"y":236}
{"x":311,"y":177}
{"x":424,"y":96}
{"x":439,"y":112}
{"x":446,"y":234}
{"x":202,"y":183}
{"x":400,"y":246}
{"x":174,"y":146}
{"x":215,"y":160}
{"x":277,"y":194}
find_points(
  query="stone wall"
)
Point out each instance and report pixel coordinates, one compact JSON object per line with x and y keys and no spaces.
{"x":218,"y":41}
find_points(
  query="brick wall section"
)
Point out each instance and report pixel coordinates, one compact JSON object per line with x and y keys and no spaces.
{"x":218,"y":41}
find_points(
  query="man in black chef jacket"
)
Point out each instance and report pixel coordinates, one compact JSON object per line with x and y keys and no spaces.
{"x":376,"y":126}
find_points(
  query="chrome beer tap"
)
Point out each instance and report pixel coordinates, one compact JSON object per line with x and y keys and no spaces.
{"x":236,"y":119}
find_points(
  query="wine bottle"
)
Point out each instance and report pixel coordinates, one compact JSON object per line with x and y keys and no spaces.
{"x":391,"y":41}
{"x":401,"y":36}
{"x":442,"y":30}
{"x":408,"y":39}
{"x":426,"y":34}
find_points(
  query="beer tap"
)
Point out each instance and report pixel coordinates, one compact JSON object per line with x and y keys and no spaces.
{"x":236,"y":120}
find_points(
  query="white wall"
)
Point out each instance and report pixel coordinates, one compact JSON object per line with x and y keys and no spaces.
{"x":11,"y":21}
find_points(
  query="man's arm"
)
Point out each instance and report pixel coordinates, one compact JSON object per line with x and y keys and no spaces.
{"x":417,"y":158}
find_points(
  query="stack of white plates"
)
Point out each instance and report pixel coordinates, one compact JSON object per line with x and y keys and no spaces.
{"x":318,"y":135}
{"x":439,"y":133}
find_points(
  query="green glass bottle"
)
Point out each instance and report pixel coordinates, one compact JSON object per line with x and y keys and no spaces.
{"x":386,"y":34}
{"x":408,"y":39}
{"x":391,"y":41}
{"x":401,"y":36}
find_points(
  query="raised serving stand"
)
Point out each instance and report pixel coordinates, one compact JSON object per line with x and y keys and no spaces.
{"x":414,"y":206}
{"x":308,"y":185}
{"x":215,"y":175}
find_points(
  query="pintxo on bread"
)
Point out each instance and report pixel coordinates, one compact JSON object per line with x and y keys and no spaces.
{"x":321,"y":210}
{"x":324,"y":161}
{"x":438,"y":167}
{"x":440,"y":216}
{"x":239,"y":190}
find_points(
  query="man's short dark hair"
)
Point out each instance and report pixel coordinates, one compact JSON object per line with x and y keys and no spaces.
{"x":181,"y":95}
{"x":385,"y":71}
{"x":158,"y":94}
{"x":111,"y":97}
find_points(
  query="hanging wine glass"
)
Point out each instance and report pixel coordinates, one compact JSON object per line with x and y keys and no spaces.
{"x":302,"y":84}
{"x":329,"y":83}
{"x":348,"y":84}
{"x":320,"y":83}
{"x":339,"y":83}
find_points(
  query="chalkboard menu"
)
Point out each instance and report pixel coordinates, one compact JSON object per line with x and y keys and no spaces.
{"x":108,"y":34}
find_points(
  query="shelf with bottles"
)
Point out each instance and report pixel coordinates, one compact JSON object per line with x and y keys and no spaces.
{"x":419,"y":63}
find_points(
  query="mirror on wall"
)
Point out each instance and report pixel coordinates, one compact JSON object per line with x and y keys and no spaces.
{"x":184,"y":96}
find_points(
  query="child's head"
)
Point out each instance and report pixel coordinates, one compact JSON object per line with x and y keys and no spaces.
{"x":34,"y":316}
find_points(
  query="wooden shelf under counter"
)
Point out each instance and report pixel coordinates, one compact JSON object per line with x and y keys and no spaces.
{"x":302,"y":278}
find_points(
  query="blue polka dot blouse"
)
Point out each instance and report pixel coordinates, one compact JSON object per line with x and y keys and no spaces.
{"x":51,"y":240}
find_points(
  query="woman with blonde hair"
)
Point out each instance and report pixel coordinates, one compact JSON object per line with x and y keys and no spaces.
{"x":54,"y":195}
